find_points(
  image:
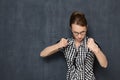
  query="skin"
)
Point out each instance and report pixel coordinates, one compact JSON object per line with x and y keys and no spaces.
{"x":79,"y":33}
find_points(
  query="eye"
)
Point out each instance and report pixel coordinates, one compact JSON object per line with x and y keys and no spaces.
{"x":77,"y":33}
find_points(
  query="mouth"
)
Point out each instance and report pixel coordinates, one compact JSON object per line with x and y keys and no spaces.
{"x":79,"y":40}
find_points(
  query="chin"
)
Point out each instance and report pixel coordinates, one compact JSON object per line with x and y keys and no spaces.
{"x":80,"y":40}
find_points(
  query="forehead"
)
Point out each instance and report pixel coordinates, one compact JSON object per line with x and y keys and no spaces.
{"x":78,"y":28}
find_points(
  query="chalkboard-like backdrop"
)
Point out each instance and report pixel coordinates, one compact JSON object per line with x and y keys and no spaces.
{"x":28,"y":26}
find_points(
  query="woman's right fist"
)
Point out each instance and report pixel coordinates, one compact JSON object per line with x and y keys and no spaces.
{"x":63,"y":43}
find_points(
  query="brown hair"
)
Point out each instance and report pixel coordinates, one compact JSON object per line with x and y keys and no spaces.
{"x":78,"y":18}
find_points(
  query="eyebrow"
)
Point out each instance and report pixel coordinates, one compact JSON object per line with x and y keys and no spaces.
{"x":79,"y":32}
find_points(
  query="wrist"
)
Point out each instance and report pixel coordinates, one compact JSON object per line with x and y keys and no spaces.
{"x":96,"y":51}
{"x":59,"y":46}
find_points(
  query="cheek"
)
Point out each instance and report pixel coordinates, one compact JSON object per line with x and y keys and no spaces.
{"x":83,"y":36}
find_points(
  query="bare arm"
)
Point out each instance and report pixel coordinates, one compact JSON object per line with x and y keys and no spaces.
{"x":98,"y":53}
{"x":54,"y":48}
{"x":50,"y":50}
{"x":101,"y":58}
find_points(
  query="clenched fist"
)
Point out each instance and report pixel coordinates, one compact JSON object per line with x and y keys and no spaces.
{"x":63,"y":42}
{"x":92,"y":45}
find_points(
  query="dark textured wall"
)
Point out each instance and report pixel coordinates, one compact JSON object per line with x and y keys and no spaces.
{"x":28,"y":26}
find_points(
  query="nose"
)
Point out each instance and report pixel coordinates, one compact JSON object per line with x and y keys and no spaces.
{"x":79,"y":35}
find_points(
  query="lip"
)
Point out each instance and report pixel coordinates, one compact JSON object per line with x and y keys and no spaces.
{"x":79,"y":40}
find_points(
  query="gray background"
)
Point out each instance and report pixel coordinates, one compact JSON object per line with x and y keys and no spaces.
{"x":28,"y":26}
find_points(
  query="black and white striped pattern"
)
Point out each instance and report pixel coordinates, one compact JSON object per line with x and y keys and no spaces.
{"x":79,"y":61}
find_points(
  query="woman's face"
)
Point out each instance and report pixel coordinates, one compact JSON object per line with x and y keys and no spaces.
{"x":79,"y":32}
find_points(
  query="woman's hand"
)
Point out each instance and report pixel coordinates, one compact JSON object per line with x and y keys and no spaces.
{"x":63,"y":43}
{"x":92,"y":45}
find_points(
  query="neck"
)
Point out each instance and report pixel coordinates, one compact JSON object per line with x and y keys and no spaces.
{"x":77,"y":44}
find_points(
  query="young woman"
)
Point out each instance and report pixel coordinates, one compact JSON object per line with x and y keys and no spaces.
{"x":79,"y":50}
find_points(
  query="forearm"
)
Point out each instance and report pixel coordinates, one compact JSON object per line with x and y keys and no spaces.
{"x":50,"y":50}
{"x":101,"y":58}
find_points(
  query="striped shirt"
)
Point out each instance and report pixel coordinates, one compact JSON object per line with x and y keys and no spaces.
{"x":79,"y":61}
